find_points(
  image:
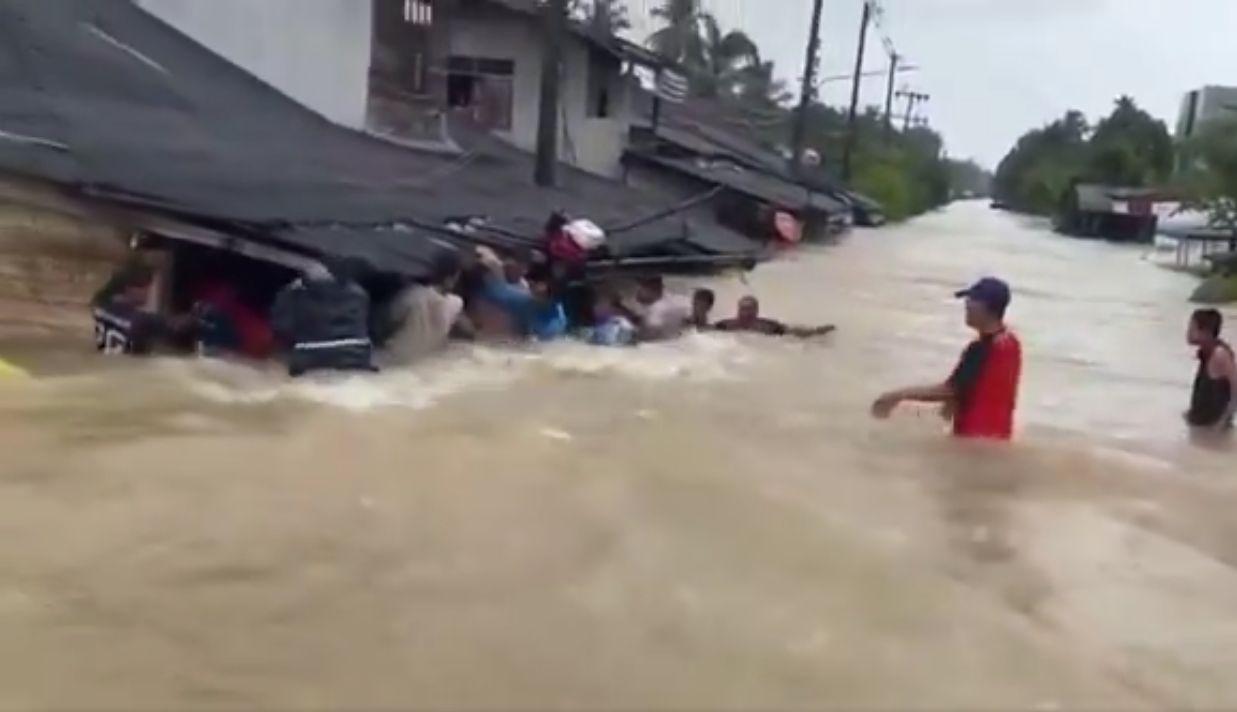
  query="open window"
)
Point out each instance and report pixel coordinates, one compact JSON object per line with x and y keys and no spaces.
{"x":602,"y":77}
{"x":484,"y":88}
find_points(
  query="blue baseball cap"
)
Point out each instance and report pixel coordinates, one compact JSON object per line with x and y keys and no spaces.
{"x":989,"y":291}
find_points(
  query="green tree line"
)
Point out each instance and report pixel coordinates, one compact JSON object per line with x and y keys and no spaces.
{"x":1128,"y":148}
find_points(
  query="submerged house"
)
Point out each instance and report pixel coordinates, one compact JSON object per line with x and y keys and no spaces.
{"x":1109,"y":212}
{"x":691,"y":146}
{"x":493,"y":72}
{"x":400,"y":68}
{"x":112,"y":116}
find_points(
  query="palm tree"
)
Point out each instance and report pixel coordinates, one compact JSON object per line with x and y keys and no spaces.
{"x":608,"y":17}
{"x":724,"y":65}
{"x":679,"y":40}
{"x":724,"y":60}
{"x":757,"y":87}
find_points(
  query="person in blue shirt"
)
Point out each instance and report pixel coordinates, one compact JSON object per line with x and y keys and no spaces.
{"x":534,"y":309}
{"x":610,"y":327}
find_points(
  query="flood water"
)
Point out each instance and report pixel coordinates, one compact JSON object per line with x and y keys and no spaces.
{"x":714,"y":523}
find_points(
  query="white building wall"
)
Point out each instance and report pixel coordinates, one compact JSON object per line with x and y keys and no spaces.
{"x":315,"y":51}
{"x":1214,"y":103}
{"x":1217,"y":103}
{"x":592,"y":144}
{"x":494,"y":36}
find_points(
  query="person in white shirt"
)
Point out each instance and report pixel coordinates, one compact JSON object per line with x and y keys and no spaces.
{"x":661,"y":316}
{"x":423,"y":316}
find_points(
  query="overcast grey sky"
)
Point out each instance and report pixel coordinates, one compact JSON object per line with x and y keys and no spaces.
{"x":996,"y":68}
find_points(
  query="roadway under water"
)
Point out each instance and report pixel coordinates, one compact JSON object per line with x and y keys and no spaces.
{"x":715,"y":523}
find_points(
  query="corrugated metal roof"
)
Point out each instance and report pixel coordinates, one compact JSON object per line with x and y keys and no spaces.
{"x":105,"y":98}
{"x":745,"y":180}
{"x":711,"y":128}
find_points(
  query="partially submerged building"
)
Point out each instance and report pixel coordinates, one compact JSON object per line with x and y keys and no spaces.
{"x":687,"y":146}
{"x":112,"y":115}
{"x":1119,"y":214}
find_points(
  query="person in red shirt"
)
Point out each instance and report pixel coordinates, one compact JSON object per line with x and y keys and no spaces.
{"x":252,"y":334}
{"x":982,"y":393}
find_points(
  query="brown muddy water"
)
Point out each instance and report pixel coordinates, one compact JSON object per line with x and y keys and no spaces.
{"x":710,"y":524}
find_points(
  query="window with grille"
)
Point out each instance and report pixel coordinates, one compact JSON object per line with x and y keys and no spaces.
{"x":419,"y":12}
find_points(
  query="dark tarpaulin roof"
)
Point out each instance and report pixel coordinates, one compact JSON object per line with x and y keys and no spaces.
{"x":106,"y":98}
{"x":725,"y":169}
{"x":712,"y":128}
{"x":744,"y":180}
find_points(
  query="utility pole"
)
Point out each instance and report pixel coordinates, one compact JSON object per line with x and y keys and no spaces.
{"x":893,"y":71}
{"x":912,"y":98}
{"x":799,"y":135}
{"x":554,"y":24}
{"x":854,"y":90}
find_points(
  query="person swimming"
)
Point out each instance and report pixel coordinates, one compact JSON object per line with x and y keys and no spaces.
{"x":747,"y":319}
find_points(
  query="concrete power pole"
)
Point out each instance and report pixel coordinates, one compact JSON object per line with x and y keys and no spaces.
{"x":554,"y":23}
{"x":807,"y":94}
{"x":893,"y":72}
{"x":854,"y":90}
{"x":912,"y":98}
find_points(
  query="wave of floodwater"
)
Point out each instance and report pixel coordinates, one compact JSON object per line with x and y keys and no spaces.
{"x":696,"y":358}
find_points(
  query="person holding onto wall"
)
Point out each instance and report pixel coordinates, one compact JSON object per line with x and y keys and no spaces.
{"x":422,"y":317}
{"x":534,"y":309}
{"x":123,"y":323}
{"x":323,"y":320}
{"x":660,"y":316}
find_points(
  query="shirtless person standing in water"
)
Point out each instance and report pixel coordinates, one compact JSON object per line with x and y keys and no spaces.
{"x":1214,"y":397}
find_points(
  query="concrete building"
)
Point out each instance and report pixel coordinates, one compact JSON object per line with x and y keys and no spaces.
{"x":397,"y":66}
{"x":315,"y":51}
{"x":494,"y":72}
{"x":1206,"y":105}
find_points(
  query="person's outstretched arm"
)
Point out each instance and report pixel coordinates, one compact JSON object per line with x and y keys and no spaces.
{"x":949,"y":393}
{"x":887,"y":403}
{"x":810,"y":332}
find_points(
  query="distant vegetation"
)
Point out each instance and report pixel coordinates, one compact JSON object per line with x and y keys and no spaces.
{"x":1208,"y":180}
{"x":1128,"y":148}
{"x":968,"y":179}
{"x":906,"y":171}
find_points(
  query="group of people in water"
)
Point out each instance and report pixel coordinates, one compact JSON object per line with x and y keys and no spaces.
{"x":324,"y":321}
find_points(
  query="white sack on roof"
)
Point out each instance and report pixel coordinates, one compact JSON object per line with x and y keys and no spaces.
{"x":586,"y":233}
